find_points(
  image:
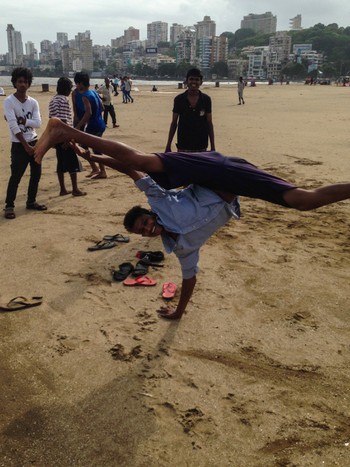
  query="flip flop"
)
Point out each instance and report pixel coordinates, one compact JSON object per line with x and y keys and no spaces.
{"x":140,"y":269}
{"x":124,"y":270}
{"x":141,"y":280}
{"x":168,"y":290}
{"x":153,"y":256}
{"x":117,"y":238}
{"x":19,"y":303}
{"x":102,"y":246}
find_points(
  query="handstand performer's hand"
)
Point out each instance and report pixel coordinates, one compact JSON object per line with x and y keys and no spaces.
{"x":169,"y":312}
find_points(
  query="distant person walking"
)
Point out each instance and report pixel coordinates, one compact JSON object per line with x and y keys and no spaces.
{"x":240,"y":89}
{"x":105,"y":91}
{"x":192,"y":117}
{"x":23,"y":117}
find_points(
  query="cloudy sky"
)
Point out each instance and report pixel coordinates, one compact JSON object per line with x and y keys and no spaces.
{"x":40,"y":19}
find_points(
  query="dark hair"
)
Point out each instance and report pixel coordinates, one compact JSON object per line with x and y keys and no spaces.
{"x":82,"y":78}
{"x":133,"y":214}
{"x":64,"y":86}
{"x":194,"y":72}
{"x":21,"y":72}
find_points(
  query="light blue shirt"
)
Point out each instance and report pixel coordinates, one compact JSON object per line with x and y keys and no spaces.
{"x":194,"y":214}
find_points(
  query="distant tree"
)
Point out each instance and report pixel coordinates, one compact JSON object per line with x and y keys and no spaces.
{"x":220,"y":69}
{"x":294,"y":71}
{"x":167,"y":69}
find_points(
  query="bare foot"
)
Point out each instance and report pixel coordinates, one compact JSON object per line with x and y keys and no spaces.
{"x":99,"y":175}
{"x":65,"y":192}
{"x":93,"y":173}
{"x":53,"y":134}
{"x":78,"y":193}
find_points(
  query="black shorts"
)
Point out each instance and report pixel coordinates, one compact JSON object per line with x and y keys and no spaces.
{"x":67,"y":160}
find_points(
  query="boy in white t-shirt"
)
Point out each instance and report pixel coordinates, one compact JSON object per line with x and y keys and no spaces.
{"x":23,"y":116}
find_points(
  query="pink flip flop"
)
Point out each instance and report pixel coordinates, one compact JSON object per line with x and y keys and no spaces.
{"x":168,"y":290}
{"x":141,"y":280}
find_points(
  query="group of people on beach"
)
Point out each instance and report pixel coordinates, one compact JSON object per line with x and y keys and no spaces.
{"x":184,"y":218}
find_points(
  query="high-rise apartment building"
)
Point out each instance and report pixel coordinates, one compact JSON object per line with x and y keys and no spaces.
{"x":205,"y":28}
{"x":295,"y":23}
{"x":211,"y":50}
{"x":15,"y":45}
{"x":280,"y":45}
{"x":185,"y":46}
{"x":265,"y":23}
{"x":157,"y":32}
{"x":62,"y":38}
{"x":131,"y":34}
{"x":175,"y":32}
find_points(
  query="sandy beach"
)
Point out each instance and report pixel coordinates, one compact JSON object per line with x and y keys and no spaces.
{"x":256,"y":373}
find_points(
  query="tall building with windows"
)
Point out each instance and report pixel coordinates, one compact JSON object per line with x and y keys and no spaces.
{"x":131,"y":34}
{"x":157,"y":32}
{"x":175,"y":32}
{"x":265,"y":23}
{"x":295,"y":23}
{"x":62,"y":38}
{"x":15,"y":45}
{"x":212,"y":50}
{"x":205,"y":28}
{"x":185,"y":46}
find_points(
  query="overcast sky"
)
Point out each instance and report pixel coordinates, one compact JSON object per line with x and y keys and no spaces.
{"x":40,"y":19}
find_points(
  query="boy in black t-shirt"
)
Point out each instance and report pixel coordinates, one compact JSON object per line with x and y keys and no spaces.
{"x":192,"y":117}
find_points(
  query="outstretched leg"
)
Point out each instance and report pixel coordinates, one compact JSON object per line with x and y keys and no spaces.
{"x":306,"y":200}
{"x":58,"y":132}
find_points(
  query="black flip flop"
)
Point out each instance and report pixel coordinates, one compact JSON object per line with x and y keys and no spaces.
{"x":102,"y":246}
{"x":116,"y":238}
{"x":153,"y":256}
{"x":124,"y":270}
{"x":140,"y":269}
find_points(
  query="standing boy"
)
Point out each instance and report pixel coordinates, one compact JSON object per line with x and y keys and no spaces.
{"x":23,"y":116}
{"x":192,"y":117}
{"x":240,"y":89}
{"x":67,"y":160}
{"x":87,"y":107}
{"x":105,"y":91}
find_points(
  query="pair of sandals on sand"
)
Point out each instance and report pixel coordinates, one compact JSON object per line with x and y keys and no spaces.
{"x":9,"y":212}
{"x":146,"y":259}
{"x":109,"y":241}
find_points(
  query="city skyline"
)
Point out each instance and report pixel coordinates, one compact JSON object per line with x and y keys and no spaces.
{"x":104,"y":25}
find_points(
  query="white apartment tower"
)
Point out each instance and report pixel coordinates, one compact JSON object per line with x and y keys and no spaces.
{"x":185,"y":46}
{"x":157,"y":32}
{"x":15,"y":45}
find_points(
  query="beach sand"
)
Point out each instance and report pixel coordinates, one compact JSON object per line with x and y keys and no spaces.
{"x":257,"y":371}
